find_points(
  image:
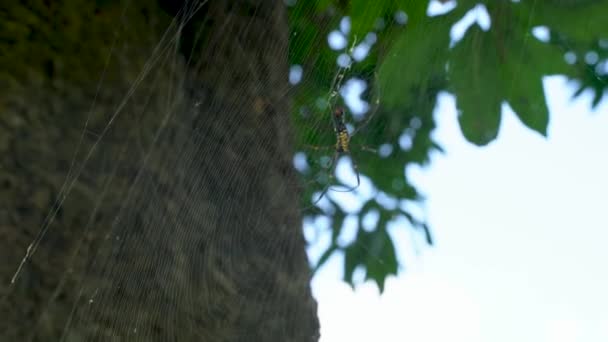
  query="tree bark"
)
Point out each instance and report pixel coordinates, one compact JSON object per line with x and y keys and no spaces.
{"x":172,"y":198}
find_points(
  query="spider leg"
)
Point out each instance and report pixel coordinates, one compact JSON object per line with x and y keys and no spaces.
{"x":318,"y":148}
{"x":332,"y":168}
{"x":376,"y":105}
{"x":366,"y":148}
{"x":356,"y":169}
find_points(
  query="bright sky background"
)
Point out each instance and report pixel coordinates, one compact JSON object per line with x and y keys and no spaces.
{"x":521,"y":240}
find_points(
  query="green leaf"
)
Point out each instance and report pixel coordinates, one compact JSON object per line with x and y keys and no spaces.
{"x":579,"y":20}
{"x":418,"y":54}
{"x":364,"y":15}
{"x":353,"y":256}
{"x":527,"y":98}
{"x":325,"y":256}
{"x":506,"y":63}
{"x":381,"y":259}
{"x":427,"y":234}
{"x":375,"y":252}
{"x":475,"y":80}
{"x":414,"y":9}
{"x":336,"y":224}
{"x":523,"y":67}
{"x":418,"y":225}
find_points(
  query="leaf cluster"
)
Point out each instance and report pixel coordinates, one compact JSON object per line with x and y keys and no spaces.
{"x":405,"y":70}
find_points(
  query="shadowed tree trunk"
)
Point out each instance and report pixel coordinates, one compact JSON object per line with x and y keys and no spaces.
{"x":179,"y":218}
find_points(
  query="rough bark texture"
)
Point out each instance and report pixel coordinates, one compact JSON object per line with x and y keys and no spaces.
{"x":182,"y":223}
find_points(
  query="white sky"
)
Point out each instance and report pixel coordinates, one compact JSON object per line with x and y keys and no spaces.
{"x":521,"y":240}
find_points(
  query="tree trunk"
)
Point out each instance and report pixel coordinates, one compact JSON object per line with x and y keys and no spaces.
{"x":166,"y":193}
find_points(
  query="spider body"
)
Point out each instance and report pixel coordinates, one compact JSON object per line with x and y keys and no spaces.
{"x":342,"y":136}
{"x":342,"y":140}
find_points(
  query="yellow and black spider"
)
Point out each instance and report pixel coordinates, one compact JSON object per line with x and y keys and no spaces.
{"x":342,"y":147}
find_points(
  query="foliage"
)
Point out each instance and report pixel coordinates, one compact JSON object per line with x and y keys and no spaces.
{"x":406,"y":69}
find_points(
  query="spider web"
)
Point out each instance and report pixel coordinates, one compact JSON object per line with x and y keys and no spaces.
{"x":177,"y":213}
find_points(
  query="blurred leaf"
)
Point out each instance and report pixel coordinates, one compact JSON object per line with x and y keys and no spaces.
{"x":414,"y":9}
{"x":580,"y":20}
{"x":375,"y":252}
{"x":383,"y":262}
{"x":418,"y":53}
{"x":473,"y":70}
{"x":511,"y":62}
{"x":392,"y":178}
{"x":526,"y":97}
{"x":427,"y":234}
{"x":550,"y":57}
{"x":353,"y":257}
{"x":325,"y":256}
{"x":521,"y":70}
{"x":364,"y":15}
{"x":367,"y":16}
{"x":338,"y":221}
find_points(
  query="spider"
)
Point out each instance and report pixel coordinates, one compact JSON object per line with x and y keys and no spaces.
{"x":342,"y":147}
